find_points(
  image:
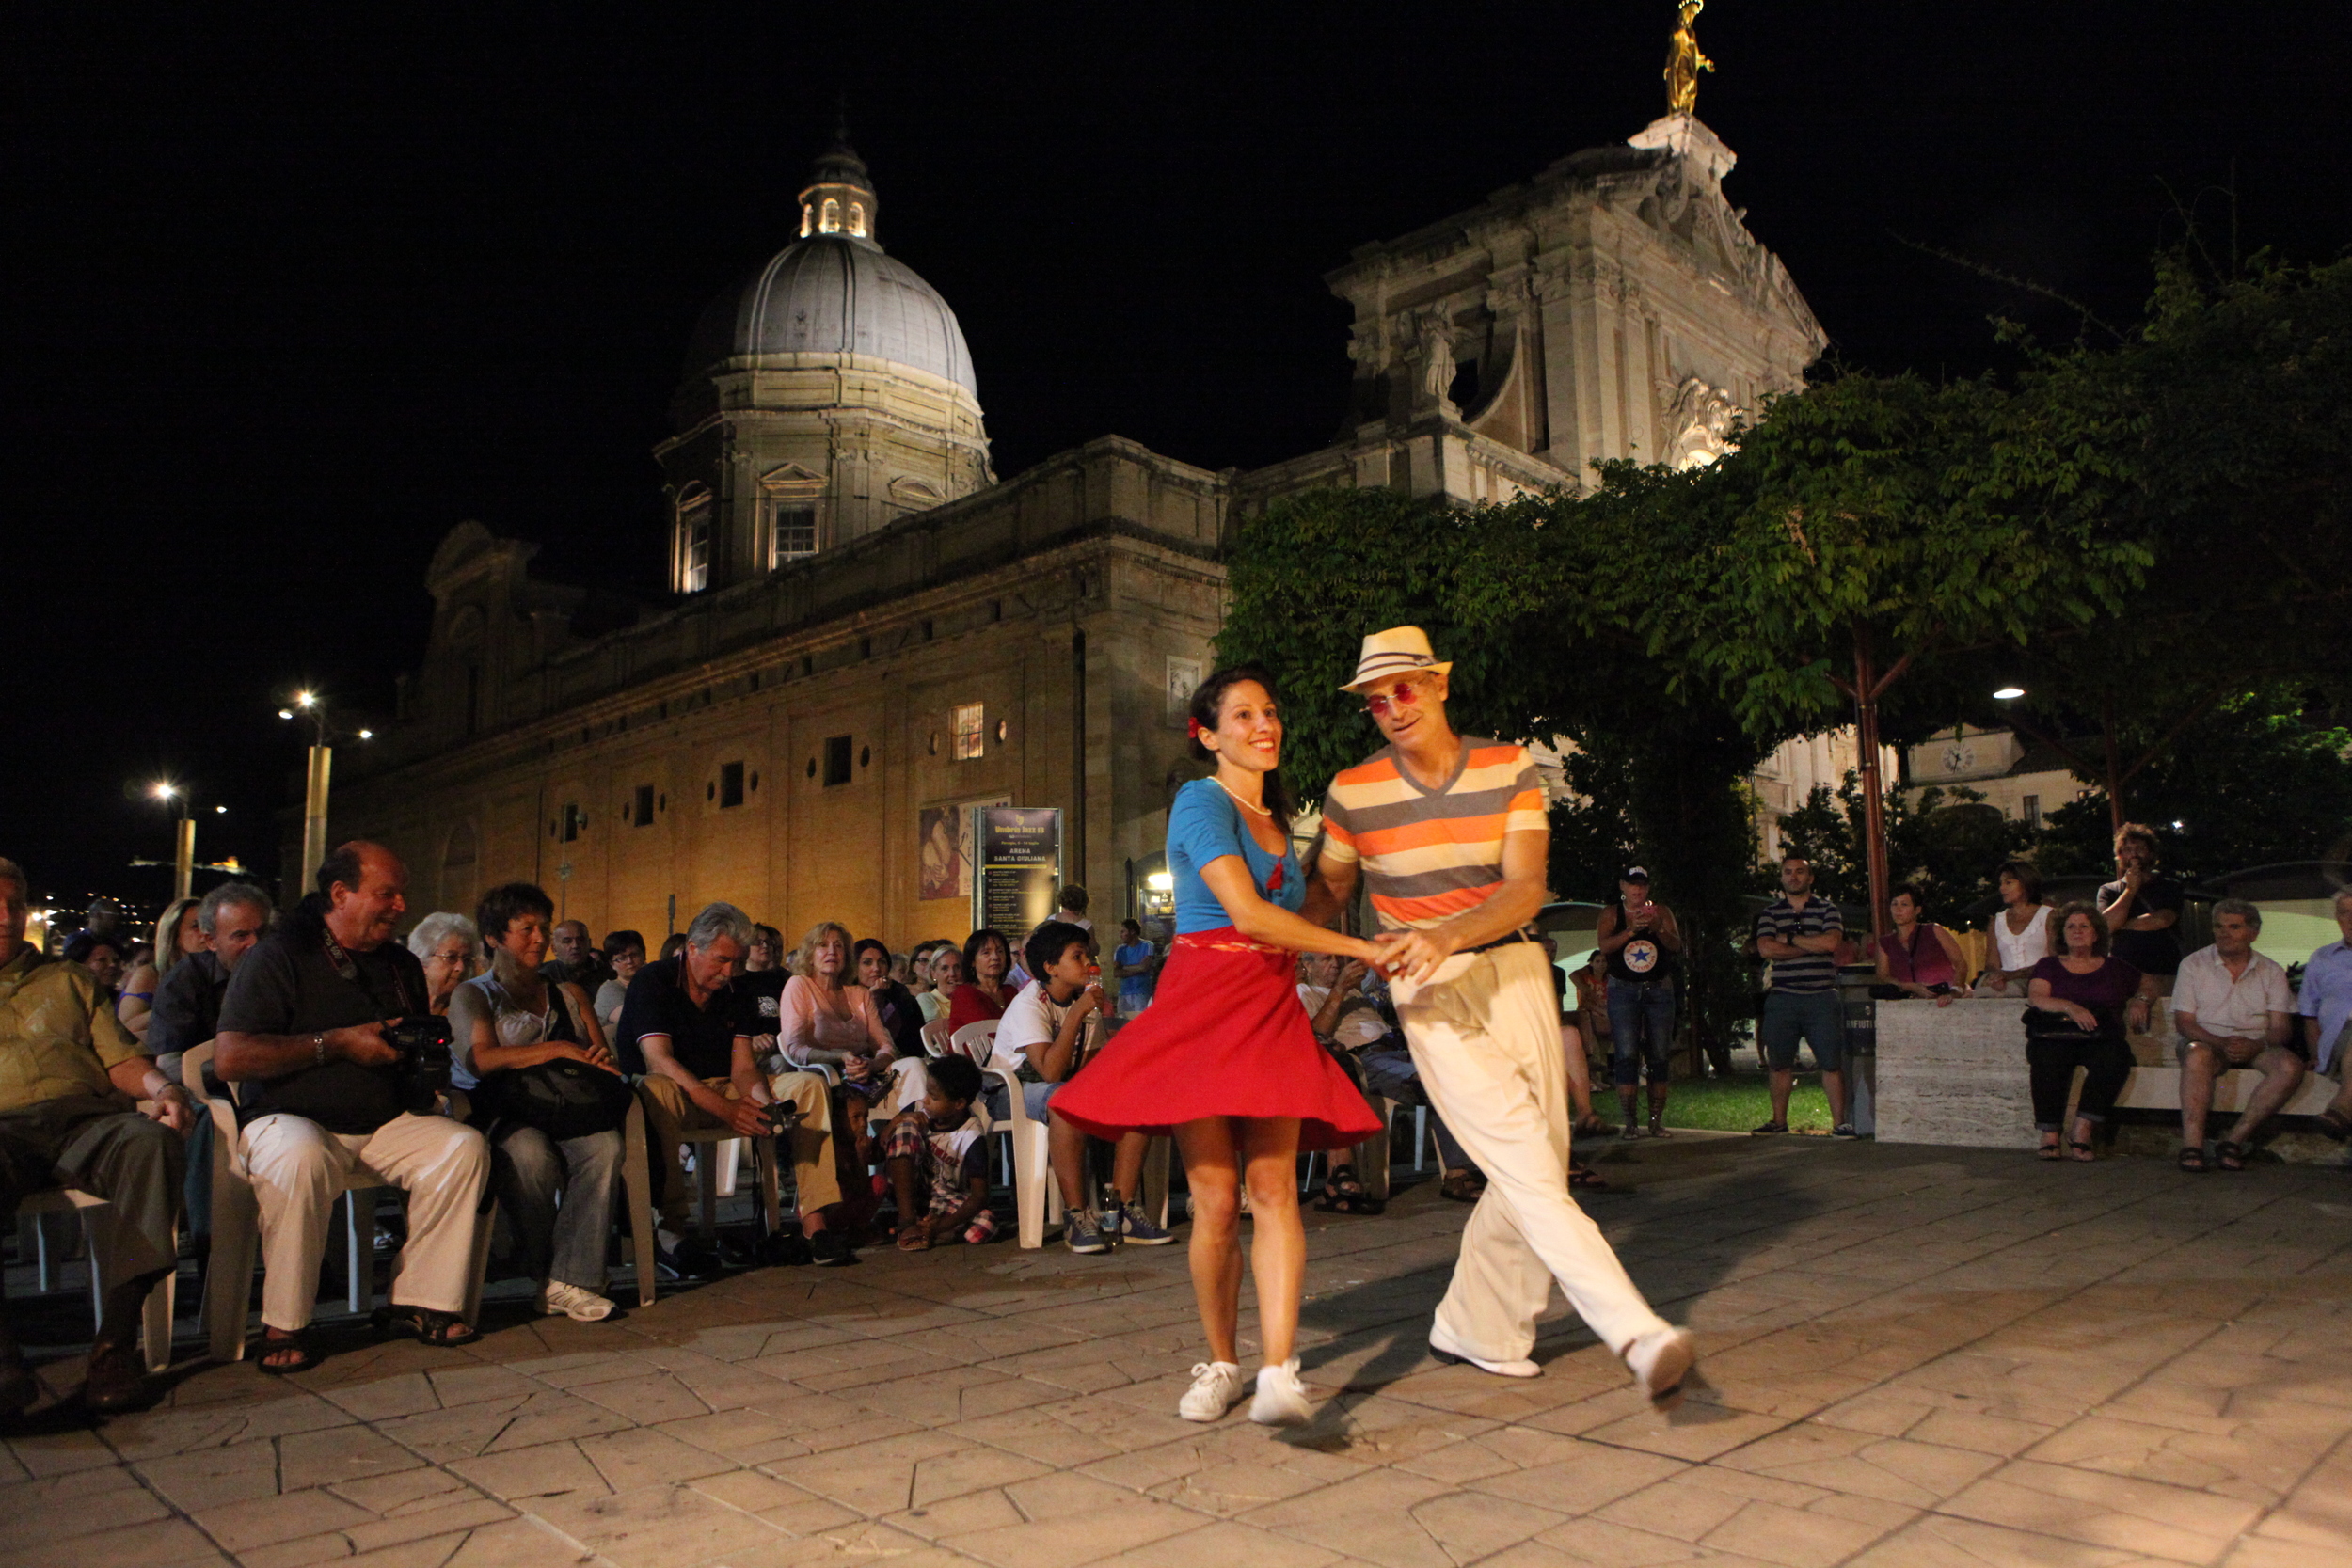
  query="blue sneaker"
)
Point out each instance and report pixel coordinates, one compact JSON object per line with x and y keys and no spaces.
{"x":1085,"y":1230}
{"x":1137,"y":1226}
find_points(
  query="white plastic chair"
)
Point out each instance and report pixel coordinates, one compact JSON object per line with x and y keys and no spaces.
{"x":237,"y":1228}
{"x":98,"y":1226}
{"x":1036,"y":1197}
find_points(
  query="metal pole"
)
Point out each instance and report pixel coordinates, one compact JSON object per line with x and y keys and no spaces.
{"x":314,"y":844}
{"x":184,"y":863}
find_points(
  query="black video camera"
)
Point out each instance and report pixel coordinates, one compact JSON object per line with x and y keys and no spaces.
{"x":424,"y":1043}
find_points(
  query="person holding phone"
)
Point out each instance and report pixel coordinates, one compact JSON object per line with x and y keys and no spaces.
{"x":1642,"y":944}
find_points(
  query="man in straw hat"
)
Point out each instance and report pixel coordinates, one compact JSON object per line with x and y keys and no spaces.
{"x":1452,"y":836}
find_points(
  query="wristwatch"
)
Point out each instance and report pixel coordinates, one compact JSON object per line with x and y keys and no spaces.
{"x":318,"y":1047}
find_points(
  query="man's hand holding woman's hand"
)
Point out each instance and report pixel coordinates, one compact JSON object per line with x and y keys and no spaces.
{"x":1410,"y":955}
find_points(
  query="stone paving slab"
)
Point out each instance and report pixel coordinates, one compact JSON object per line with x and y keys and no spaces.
{"x":1912,"y":1356}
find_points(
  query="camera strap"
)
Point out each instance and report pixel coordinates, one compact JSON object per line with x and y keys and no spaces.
{"x":348,"y":968}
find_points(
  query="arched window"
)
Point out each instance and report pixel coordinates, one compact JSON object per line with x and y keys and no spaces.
{"x":828,"y":217}
{"x":808,"y":219}
{"x":692,"y":572}
{"x":857,"y":219}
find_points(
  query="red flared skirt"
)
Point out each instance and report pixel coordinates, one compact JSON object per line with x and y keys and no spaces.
{"x":1225,"y":1036}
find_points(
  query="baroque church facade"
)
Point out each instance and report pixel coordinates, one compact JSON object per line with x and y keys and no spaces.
{"x":870,"y":630}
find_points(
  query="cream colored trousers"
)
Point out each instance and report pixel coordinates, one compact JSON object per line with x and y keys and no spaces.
{"x":1485,"y":1031}
{"x":298,"y":1169}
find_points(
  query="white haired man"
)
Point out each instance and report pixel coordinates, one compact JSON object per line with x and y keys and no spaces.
{"x":687,"y":1036}
{"x":1452,"y":838}
{"x":2231,"y":1007}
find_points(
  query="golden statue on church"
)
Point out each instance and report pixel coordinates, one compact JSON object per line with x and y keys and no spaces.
{"x":1684,"y":62}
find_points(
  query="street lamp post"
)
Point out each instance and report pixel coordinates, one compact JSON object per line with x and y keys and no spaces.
{"x":184,"y":842}
{"x":322,"y":761}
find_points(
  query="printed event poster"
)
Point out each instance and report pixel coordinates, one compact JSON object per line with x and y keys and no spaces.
{"x":1018,"y":852}
{"x":945,"y":856}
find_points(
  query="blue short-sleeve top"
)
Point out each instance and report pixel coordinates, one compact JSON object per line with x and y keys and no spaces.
{"x":1203,"y":824}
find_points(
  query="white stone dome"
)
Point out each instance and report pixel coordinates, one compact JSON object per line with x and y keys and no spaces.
{"x":834,"y":294}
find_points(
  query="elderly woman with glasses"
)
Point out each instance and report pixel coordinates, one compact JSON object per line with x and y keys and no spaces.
{"x":449,"y":948}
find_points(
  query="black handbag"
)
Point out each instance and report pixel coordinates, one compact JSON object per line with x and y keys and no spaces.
{"x":2051,"y":1026}
{"x":563,"y":1099}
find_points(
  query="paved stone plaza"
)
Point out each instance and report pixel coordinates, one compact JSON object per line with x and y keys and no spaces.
{"x":1914,"y":1357}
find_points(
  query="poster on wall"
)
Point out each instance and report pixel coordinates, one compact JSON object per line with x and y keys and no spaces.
{"x":945,"y":856}
{"x":1017,"y":852}
{"x":1183,"y":678}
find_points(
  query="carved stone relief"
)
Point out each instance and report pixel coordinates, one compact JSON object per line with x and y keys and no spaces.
{"x":1698,"y":418}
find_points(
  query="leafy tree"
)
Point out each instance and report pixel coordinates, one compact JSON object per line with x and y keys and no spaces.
{"x":2226,"y":421}
{"x":1948,"y":842}
{"x":2254,"y":781}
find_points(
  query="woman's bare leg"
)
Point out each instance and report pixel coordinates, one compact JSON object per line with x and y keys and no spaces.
{"x":1215,"y":1249}
{"x":1277,"y":1241}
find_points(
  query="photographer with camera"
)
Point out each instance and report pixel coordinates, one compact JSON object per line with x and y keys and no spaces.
{"x":338,"y":1063}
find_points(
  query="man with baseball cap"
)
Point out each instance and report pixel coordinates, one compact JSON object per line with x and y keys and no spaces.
{"x":1642,"y":943}
{"x":1451,"y":835}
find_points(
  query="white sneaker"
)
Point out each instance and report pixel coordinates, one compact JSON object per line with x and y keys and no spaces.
{"x":1215,"y":1386}
{"x":555,"y":1298}
{"x":1660,"y":1359}
{"x":1281,"y":1400}
{"x":1441,"y":1345}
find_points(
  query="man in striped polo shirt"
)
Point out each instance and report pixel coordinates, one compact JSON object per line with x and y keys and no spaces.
{"x":1452,"y":838}
{"x":1799,"y":934}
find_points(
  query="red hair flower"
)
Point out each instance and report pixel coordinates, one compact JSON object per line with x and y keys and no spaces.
{"x":1192,"y":729}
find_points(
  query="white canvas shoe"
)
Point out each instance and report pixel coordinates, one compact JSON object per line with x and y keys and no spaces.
{"x":557,"y":1299}
{"x":1216,"y":1387}
{"x":1281,"y":1400}
{"x":1660,"y":1359}
{"x":1441,"y":1345}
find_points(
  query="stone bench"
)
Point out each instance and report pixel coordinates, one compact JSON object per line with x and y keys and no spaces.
{"x":1956,"y":1074}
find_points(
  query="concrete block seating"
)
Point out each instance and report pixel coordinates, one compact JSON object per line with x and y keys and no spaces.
{"x":1957,"y":1075}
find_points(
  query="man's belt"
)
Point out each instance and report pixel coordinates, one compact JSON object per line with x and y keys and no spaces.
{"x":1522,"y":934}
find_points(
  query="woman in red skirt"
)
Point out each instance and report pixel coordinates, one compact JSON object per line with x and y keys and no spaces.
{"x":1225,"y":1056}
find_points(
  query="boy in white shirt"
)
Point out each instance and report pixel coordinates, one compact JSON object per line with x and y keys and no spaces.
{"x":1037,"y":1041}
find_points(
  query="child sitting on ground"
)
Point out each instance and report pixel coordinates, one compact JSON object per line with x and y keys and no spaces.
{"x":938,"y":1160}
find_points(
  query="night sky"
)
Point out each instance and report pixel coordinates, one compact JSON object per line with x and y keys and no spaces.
{"x":288,"y":295}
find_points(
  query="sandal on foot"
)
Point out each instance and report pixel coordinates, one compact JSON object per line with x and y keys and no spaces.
{"x":441,"y":1330}
{"x":1584,"y":1178}
{"x":2050,"y":1151}
{"x":1345,"y":1195}
{"x":2193,"y":1160}
{"x":2080,"y":1154}
{"x":275,"y":1342}
{"x":1659,"y":1128}
{"x":1462,"y":1186}
{"x":2333,"y":1124}
{"x":2230,"y":1156}
{"x":1349,"y":1203}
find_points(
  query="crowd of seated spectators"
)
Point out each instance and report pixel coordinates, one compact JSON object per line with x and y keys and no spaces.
{"x":325,"y":1021}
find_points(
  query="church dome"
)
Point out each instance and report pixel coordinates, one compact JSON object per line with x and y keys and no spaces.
{"x":834,"y":294}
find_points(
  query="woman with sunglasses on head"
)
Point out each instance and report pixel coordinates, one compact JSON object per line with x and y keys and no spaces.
{"x":1226,"y":1057}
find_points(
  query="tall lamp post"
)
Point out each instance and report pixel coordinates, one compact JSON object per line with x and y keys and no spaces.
{"x":183,"y":841}
{"x":308,"y":705}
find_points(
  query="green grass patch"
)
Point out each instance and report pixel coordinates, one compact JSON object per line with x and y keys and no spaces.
{"x":1740,"y":1104}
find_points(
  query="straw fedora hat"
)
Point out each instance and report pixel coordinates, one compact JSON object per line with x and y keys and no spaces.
{"x":1398,"y":651}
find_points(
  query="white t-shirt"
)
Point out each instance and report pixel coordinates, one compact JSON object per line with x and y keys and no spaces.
{"x":1032,"y":1018}
{"x":1359,"y":1023}
{"x":2233,"y":1008}
{"x":2023,"y":949}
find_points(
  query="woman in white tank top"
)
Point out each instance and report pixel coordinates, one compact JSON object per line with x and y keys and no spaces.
{"x":2016,"y":948}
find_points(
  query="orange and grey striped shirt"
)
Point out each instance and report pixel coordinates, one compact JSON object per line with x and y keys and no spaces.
{"x":1430,"y":854}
